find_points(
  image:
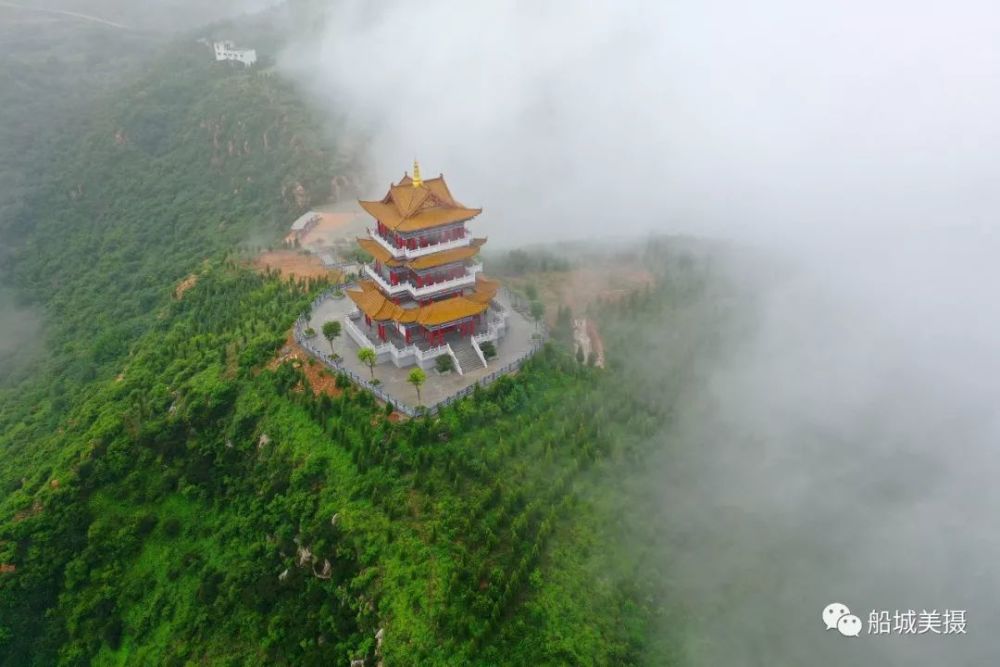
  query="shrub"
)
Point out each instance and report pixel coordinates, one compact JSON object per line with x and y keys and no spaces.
{"x":444,"y":363}
{"x":145,"y":525}
{"x":172,"y":527}
{"x":489,"y":349}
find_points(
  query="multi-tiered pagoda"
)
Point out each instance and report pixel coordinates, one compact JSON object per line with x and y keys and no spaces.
{"x":424,"y":288}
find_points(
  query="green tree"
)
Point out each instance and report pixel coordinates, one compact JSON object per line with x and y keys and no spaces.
{"x":417,"y":378}
{"x":489,"y":349}
{"x":331,"y":330}
{"x":537,"y":310}
{"x":367,"y":356}
{"x":563,"y":329}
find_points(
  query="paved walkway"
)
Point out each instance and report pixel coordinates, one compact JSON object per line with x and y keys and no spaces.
{"x":438,"y":387}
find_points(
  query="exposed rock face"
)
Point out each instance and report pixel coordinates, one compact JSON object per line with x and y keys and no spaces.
{"x":264,"y":441}
{"x":283,"y":575}
{"x":305,"y":556}
{"x":301,"y":195}
{"x":334,"y":519}
{"x":326,"y":572}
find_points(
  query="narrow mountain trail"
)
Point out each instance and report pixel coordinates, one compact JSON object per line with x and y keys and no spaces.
{"x":62,"y":12}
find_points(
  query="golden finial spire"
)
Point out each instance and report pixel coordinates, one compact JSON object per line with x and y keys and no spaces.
{"x":417,"y":181}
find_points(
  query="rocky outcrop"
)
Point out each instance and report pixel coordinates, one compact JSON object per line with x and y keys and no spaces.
{"x":325,"y":572}
{"x":305,"y":556}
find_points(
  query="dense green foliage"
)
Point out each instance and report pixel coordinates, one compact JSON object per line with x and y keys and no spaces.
{"x":185,"y":489}
{"x":171,"y":497}
{"x":185,"y":164}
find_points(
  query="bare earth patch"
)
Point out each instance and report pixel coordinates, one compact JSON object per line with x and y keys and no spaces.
{"x":293,"y":264}
{"x":581,"y":287}
{"x":588,"y":340}
{"x":578,"y":289}
{"x":185,"y":285}
{"x":320,"y":380}
{"x":333,"y":226}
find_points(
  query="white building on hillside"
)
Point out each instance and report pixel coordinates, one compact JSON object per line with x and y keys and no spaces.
{"x":227,"y":51}
{"x":302,"y":226}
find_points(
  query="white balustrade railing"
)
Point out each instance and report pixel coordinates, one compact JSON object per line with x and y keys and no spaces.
{"x":410,"y":253}
{"x":398,"y":354}
{"x":462,"y":281}
{"x":308,"y":344}
{"x":479,"y":351}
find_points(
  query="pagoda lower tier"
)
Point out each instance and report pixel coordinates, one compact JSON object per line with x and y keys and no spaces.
{"x":430,"y":320}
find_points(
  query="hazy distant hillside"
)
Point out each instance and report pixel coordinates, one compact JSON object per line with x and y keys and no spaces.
{"x":192,"y":159}
{"x":54,"y":67}
{"x":162,"y":16}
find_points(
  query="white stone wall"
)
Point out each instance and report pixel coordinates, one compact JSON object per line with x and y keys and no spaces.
{"x":228,"y":51}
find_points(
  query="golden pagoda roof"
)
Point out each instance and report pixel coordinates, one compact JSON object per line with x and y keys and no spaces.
{"x":378,"y":251}
{"x":375,"y":305}
{"x":411,"y":205}
{"x":447,"y":256}
{"x":486,"y":289}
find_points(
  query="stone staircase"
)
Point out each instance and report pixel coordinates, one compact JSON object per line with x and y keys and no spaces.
{"x":467,"y":357}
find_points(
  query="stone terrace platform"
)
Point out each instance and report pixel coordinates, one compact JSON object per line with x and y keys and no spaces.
{"x":511,"y":348}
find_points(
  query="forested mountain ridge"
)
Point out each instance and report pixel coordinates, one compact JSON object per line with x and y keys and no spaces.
{"x":201,"y":510}
{"x":167,"y":499}
{"x":191,"y":160}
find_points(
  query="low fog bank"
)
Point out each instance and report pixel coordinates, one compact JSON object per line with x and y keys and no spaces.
{"x":775,"y":122}
{"x":20,"y":330}
{"x":843,"y":448}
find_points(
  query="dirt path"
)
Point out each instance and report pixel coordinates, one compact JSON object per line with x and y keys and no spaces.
{"x":586,"y":338}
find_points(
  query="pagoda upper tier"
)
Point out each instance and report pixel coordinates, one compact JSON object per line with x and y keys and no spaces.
{"x":416,"y":205}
